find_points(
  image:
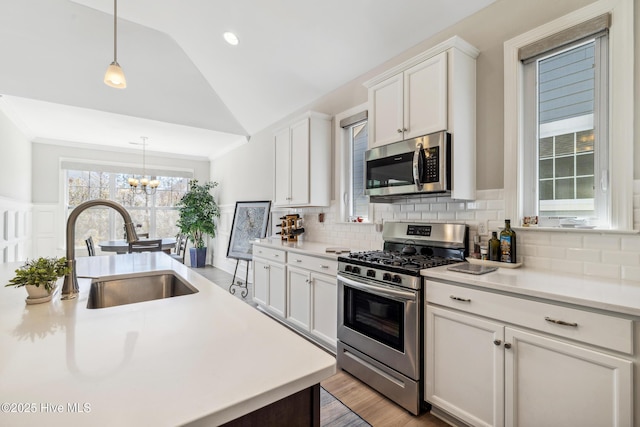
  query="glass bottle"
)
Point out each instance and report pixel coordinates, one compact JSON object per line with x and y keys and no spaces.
{"x":494,"y":247}
{"x":508,"y":243}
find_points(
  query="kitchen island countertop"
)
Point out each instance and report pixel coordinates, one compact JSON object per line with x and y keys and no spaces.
{"x":205,"y":358}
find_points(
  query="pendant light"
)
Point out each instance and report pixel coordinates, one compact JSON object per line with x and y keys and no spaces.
{"x":114,"y":76}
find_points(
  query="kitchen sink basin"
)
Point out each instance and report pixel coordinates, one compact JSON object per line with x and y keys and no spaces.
{"x":133,"y":289}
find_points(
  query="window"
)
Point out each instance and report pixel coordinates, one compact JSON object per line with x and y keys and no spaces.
{"x":156,"y":214}
{"x":354,"y":137}
{"x":568,"y":117}
{"x":565,"y":106}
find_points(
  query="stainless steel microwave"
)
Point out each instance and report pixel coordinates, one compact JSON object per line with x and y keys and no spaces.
{"x":414,"y":166}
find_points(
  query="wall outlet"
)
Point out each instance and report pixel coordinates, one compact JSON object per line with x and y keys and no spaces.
{"x":482,"y":228}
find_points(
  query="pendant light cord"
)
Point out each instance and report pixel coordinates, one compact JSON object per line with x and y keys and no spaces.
{"x":115,"y":31}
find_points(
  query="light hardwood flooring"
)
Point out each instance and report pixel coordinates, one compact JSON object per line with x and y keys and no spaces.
{"x":372,"y":406}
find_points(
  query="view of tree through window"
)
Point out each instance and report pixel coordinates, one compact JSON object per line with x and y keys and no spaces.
{"x":155,"y":214}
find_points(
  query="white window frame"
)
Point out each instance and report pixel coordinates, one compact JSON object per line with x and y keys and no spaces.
{"x":343,"y":159}
{"x":621,"y":109}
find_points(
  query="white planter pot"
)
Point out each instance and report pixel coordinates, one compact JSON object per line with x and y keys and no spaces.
{"x":37,"y":294}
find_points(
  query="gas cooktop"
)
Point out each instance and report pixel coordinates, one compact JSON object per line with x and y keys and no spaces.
{"x":397,"y":261}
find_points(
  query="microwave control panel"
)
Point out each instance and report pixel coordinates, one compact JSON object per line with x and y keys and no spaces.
{"x":431,"y":170}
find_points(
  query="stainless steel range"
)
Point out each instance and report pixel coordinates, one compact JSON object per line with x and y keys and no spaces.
{"x":380,"y":306}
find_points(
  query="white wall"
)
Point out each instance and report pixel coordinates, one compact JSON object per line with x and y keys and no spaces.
{"x":487,"y":30}
{"x":15,"y":193}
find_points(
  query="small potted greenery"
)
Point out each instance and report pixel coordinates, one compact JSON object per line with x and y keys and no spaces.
{"x":197,"y":210}
{"x":39,"y":277}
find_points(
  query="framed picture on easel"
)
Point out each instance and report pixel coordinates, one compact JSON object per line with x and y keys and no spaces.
{"x":250,"y":221}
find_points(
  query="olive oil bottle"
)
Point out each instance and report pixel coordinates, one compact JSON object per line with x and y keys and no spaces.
{"x":508,"y":243}
{"x":494,"y":247}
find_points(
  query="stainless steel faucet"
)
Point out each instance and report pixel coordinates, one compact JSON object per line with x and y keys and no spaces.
{"x":70,"y":286}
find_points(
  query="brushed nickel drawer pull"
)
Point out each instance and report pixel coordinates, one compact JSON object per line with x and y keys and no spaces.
{"x":298,"y":260}
{"x":324,"y":266}
{"x":453,"y":297}
{"x":560,"y":322}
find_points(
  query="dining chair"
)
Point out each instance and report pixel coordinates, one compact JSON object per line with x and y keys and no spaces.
{"x":145,"y":246}
{"x":181,"y":248}
{"x":90,"y":248}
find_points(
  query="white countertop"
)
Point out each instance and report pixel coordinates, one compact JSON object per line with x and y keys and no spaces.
{"x":600,"y":293}
{"x":206,"y":356}
{"x":309,"y":248}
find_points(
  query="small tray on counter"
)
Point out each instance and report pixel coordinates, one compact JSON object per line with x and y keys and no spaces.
{"x":494,"y":263}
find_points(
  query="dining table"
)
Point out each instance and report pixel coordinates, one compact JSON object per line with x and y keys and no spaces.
{"x":122,"y":246}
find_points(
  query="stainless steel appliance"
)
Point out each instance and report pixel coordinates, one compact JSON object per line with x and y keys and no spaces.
{"x":380,"y":306}
{"x":414,"y":166}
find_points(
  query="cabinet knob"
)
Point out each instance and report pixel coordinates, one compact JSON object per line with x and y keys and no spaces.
{"x":266,"y":267}
{"x":497,"y":342}
{"x":404,"y":129}
{"x":507,"y":345}
{"x":399,"y":130}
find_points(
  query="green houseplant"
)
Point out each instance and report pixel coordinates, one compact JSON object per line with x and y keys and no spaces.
{"x":197,"y":210}
{"x":39,"y":276}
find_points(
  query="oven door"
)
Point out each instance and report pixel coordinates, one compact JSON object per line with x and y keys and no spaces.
{"x":382,"y":322}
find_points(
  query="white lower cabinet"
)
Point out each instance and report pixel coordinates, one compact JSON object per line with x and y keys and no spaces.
{"x":269,"y":281}
{"x":312,"y":303}
{"x":303,"y":293}
{"x":483,"y":369}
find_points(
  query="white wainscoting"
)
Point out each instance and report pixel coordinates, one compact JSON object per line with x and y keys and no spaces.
{"x":48,"y":230}
{"x":15,"y":230}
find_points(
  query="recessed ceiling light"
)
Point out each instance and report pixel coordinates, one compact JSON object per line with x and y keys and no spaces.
{"x":231,"y":38}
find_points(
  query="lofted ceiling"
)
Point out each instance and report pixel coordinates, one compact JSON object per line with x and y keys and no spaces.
{"x":189,"y":91}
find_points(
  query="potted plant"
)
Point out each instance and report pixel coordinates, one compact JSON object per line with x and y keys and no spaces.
{"x":39,"y":277}
{"x":197,"y":210}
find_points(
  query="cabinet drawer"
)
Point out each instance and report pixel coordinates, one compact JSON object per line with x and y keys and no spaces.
{"x":599,"y":329}
{"x":270,"y":254}
{"x":321,"y":265}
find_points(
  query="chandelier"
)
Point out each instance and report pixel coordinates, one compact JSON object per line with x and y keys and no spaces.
{"x":143,"y":185}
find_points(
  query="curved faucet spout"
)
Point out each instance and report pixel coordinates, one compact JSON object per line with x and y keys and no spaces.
{"x":70,"y":286}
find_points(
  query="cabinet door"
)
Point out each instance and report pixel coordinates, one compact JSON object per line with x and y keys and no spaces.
{"x":282,"y":152}
{"x":298,"y":297}
{"x":300,"y":163}
{"x":551,"y":383}
{"x":260,"y":281}
{"x":324,"y":307}
{"x":277,"y":287}
{"x":464,"y":369}
{"x":425,"y":97}
{"x":385,"y":109}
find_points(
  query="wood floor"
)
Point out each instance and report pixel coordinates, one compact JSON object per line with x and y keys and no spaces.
{"x":372,"y":406}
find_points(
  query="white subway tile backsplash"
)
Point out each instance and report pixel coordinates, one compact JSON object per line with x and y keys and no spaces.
{"x":584,"y":255}
{"x":595,"y":254}
{"x":602,"y":242}
{"x":564,"y":266}
{"x":602,"y":270}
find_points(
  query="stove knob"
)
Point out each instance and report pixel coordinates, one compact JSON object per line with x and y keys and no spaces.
{"x":386,"y":276}
{"x":371,"y":273}
{"x":355,"y":270}
{"x":347,"y":268}
{"x":396,"y":279}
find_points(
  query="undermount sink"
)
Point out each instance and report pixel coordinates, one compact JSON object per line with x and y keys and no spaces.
{"x":133,"y":289}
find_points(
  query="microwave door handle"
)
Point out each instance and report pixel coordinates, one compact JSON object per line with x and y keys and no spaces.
{"x":417,"y":166}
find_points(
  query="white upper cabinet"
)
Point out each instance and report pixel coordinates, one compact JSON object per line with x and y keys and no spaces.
{"x":430,"y":92}
{"x":303,"y":162}
{"x":410,"y":104}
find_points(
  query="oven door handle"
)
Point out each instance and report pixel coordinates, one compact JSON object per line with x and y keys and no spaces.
{"x":417,"y":166}
{"x":394,"y":294}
